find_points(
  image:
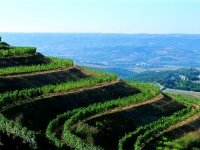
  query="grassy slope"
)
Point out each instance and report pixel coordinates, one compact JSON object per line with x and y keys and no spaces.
{"x":37,"y":114}
{"x":115,"y":124}
{"x":175,"y":132}
{"x":46,"y":108}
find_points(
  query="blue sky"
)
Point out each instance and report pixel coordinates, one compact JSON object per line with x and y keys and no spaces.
{"x":101,"y":16}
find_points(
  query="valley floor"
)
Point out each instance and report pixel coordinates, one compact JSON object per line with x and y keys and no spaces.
{"x":189,"y":94}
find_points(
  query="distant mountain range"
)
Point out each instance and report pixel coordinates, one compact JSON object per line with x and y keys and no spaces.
{"x":118,"y":53}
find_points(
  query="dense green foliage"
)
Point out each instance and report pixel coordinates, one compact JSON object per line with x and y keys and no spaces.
{"x":18,"y":51}
{"x":187,"y":141}
{"x":12,"y":128}
{"x":144,"y":133}
{"x":159,"y":128}
{"x":72,"y":117}
{"x":55,"y":64}
{"x":171,"y":79}
{"x":9,"y":99}
{"x":154,"y":76}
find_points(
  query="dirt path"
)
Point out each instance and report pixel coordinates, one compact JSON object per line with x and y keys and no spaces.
{"x":180,"y":124}
{"x":189,"y":120}
{"x":58,"y":131}
{"x":158,"y":97}
{"x":88,"y":73}
{"x":77,"y":90}
{"x":66,"y":92}
{"x":37,"y":72}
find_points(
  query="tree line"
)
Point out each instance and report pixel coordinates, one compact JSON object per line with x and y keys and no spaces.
{"x":171,"y":78}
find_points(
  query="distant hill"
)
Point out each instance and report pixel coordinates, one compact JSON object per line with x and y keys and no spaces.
{"x":133,"y":52}
{"x":183,"y":79}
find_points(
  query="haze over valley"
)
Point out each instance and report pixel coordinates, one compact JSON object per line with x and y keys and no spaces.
{"x":116,"y":52}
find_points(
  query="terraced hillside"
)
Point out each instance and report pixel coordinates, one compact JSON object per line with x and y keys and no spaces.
{"x":49,"y":103}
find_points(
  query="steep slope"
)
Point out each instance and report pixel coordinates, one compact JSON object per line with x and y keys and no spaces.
{"x":79,"y":87}
{"x":114,"y":123}
{"x":49,"y":103}
{"x":36,"y":114}
{"x":23,"y":60}
{"x":41,"y":78}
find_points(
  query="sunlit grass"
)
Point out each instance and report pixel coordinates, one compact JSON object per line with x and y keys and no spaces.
{"x":188,"y":141}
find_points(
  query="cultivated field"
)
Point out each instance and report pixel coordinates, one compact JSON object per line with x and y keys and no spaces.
{"x":50,"y":103}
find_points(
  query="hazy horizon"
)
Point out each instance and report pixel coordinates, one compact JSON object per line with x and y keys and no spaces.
{"x":101,"y":16}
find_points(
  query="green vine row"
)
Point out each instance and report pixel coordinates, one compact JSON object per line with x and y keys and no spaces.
{"x":73,"y":116}
{"x":55,"y":64}
{"x":148,"y":131}
{"x":18,"y":51}
{"x":9,"y":99}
